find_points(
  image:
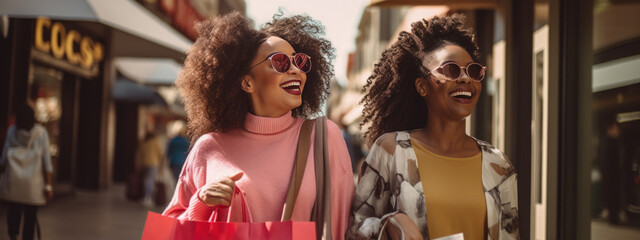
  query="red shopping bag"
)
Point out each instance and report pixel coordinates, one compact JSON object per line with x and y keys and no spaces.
{"x":159,"y":227}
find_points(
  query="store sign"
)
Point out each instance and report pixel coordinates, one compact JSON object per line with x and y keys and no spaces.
{"x":184,"y":16}
{"x":54,"y":38}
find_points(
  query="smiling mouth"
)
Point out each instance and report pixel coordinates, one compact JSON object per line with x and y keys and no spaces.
{"x":461,"y":94}
{"x":292,"y":87}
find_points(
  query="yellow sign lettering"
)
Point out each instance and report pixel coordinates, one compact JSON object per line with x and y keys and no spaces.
{"x":86,"y":52}
{"x":40,"y":43}
{"x":58,"y":34}
{"x":98,"y":51}
{"x":77,"y":49}
{"x":72,"y":38}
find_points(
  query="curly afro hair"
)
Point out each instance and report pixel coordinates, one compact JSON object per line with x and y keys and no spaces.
{"x":210,"y":83}
{"x":391,"y":101}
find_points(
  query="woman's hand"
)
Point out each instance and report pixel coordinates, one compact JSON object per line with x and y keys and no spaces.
{"x":219,"y":193}
{"x":48,"y":192}
{"x":49,"y":195}
{"x":411,"y":231}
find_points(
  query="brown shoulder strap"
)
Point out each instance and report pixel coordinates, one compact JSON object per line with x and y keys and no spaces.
{"x":298,"y":169}
{"x":321,"y":212}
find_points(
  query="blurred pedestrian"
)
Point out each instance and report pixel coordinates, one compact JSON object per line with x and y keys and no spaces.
{"x":177,"y":151}
{"x":151,"y":157}
{"x":612,"y":167}
{"x":424,"y":177}
{"x":353,"y":145}
{"x":25,"y":157}
{"x":247,"y":93}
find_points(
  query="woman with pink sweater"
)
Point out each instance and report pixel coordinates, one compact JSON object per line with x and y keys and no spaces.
{"x":247,"y":93}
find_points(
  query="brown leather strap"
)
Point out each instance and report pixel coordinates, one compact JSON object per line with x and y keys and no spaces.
{"x":321,"y":212}
{"x":298,"y":169}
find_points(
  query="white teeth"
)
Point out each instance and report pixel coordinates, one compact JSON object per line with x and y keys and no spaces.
{"x":460,"y":93}
{"x":290,"y":84}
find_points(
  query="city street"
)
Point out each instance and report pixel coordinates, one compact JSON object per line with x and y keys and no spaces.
{"x":88,"y":215}
{"x":109,"y":215}
{"x":97,"y":93}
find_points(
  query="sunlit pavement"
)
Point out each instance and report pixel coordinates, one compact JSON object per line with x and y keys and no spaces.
{"x":105,"y":215}
{"x":109,"y":215}
{"x":602,"y":230}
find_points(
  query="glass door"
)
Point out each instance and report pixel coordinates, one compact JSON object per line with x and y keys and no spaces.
{"x":44,"y":95}
{"x":539,"y":131}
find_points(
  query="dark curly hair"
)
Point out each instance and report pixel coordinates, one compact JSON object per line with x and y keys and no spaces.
{"x":25,"y":117}
{"x":391,"y":101}
{"x":210,"y":83}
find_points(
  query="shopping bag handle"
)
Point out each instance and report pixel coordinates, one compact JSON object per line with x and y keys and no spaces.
{"x":246,"y":216}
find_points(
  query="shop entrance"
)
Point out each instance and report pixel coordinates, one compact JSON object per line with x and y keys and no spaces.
{"x":54,"y":95}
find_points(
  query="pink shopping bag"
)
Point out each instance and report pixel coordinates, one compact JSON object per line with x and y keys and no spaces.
{"x":159,"y":227}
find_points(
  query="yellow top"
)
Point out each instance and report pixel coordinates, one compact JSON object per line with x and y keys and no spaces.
{"x":150,"y":153}
{"x":453,"y":192}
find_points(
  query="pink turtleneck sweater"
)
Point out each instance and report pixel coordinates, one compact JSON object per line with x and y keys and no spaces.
{"x":265,"y":151}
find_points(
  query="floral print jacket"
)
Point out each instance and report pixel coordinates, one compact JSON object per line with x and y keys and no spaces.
{"x":390,"y":183}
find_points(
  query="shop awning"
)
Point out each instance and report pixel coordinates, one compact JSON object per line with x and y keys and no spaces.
{"x":615,"y":74}
{"x":60,"y":9}
{"x":125,"y":90}
{"x":135,"y":25}
{"x":150,"y":71}
{"x":457,"y":3}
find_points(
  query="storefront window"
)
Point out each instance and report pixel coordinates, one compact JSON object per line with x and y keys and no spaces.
{"x":616,"y":126}
{"x":45,"y":85}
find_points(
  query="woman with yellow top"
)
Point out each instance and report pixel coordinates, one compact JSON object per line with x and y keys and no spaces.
{"x":424,"y":177}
